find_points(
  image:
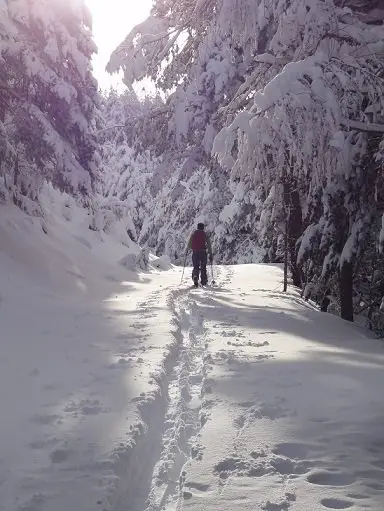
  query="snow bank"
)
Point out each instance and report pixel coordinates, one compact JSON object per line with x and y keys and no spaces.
{"x":78,"y":369}
{"x":122,"y":390}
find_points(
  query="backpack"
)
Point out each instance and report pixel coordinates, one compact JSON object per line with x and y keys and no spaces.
{"x":199,"y":240}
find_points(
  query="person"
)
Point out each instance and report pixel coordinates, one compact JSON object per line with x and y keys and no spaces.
{"x":200,"y":243}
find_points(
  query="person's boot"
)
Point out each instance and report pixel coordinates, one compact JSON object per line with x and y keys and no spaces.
{"x":196,"y":281}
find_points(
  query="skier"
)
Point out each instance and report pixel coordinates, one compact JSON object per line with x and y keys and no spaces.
{"x":200,"y":243}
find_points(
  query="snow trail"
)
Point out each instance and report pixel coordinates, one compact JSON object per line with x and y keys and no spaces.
{"x":292,"y":410}
{"x":247,"y":417}
{"x":182,"y":420}
{"x":174,"y":414}
{"x":144,"y":395}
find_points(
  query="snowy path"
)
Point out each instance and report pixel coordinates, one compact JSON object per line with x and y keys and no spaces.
{"x":290,"y":404}
{"x":162,"y":397}
{"x":272,"y":405}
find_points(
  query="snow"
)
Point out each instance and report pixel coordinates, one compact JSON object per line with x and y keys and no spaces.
{"x":124,"y":389}
{"x":352,"y":241}
{"x":73,"y":334}
{"x":266,"y":57}
{"x":338,"y":140}
{"x":306,"y":241}
{"x":364,"y":126}
{"x":287,"y":81}
{"x":152,"y":34}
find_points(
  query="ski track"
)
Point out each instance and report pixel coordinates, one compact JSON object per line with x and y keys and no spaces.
{"x":135,"y":465}
{"x":215,"y":423}
{"x":180,"y":427}
{"x":153,"y":471}
{"x":182,"y":420}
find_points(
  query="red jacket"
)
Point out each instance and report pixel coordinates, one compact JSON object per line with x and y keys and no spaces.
{"x":199,"y":240}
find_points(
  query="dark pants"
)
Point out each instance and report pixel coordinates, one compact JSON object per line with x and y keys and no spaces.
{"x":199,"y":260}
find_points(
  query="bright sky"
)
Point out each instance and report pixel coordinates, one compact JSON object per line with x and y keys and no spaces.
{"x":112,"y":21}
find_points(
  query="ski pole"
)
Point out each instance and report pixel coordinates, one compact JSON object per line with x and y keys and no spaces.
{"x":213,"y":280}
{"x":185,"y":260}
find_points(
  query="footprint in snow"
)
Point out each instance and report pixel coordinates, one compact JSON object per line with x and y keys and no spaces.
{"x":86,"y":407}
{"x":197,"y":486}
{"x":197,"y":452}
{"x":288,"y":467}
{"x":138,"y":326}
{"x":270,"y":411}
{"x":239,"y":422}
{"x":232,"y":333}
{"x":258,"y":454}
{"x":283,"y":505}
{"x":260,"y":344}
{"x":241,"y":467}
{"x":59,"y":455}
{"x":252,"y":344}
{"x":330,"y":478}
{"x":43,"y":443}
{"x":295,"y":450}
{"x":264,"y":357}
{"x":46,"y":419}
{"x":336,"y":503}
{"x":226,"y":467}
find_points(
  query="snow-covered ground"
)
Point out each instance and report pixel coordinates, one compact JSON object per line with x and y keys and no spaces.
{"x":122,"y":390}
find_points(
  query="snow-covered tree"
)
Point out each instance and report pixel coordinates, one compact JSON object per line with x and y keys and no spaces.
{"x":199,"y":69}
{"x":288,"y":96}
{"x":48,"y":96}
{"x":158,"y":190}
{"x":127,"y":174}
{"x":311,"y":134}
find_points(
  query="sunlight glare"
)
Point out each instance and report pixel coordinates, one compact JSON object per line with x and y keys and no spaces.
{"x":112,"y":21}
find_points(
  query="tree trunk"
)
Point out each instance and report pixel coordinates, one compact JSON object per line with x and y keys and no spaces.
{"x":297,"y":276}
{"x":2,"y":110}
{"x":325,"y":302}
{"x":346,"y":290}
{"x":286,"y":257}
{"x":295,"y":230}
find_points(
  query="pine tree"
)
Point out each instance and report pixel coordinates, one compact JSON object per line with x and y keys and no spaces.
{"x":182,"y":131}
{"x":127,"y":174}
{"x":307,"y":133}
{"x":48,"y":96}
{"x":288,"y":96}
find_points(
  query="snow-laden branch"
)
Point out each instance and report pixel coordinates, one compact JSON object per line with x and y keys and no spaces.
{"x":135,"y":54}
{"x":8,"y":90}
{"x":370,"y":127}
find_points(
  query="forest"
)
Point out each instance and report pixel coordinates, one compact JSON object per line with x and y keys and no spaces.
{"x":265,"y":120}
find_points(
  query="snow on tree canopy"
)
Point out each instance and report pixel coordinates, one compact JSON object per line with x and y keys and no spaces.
{"x":297,"y":129}
{"x":288,"y":99}
{"x":134,"y":53}
{"x":50,"y":95}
